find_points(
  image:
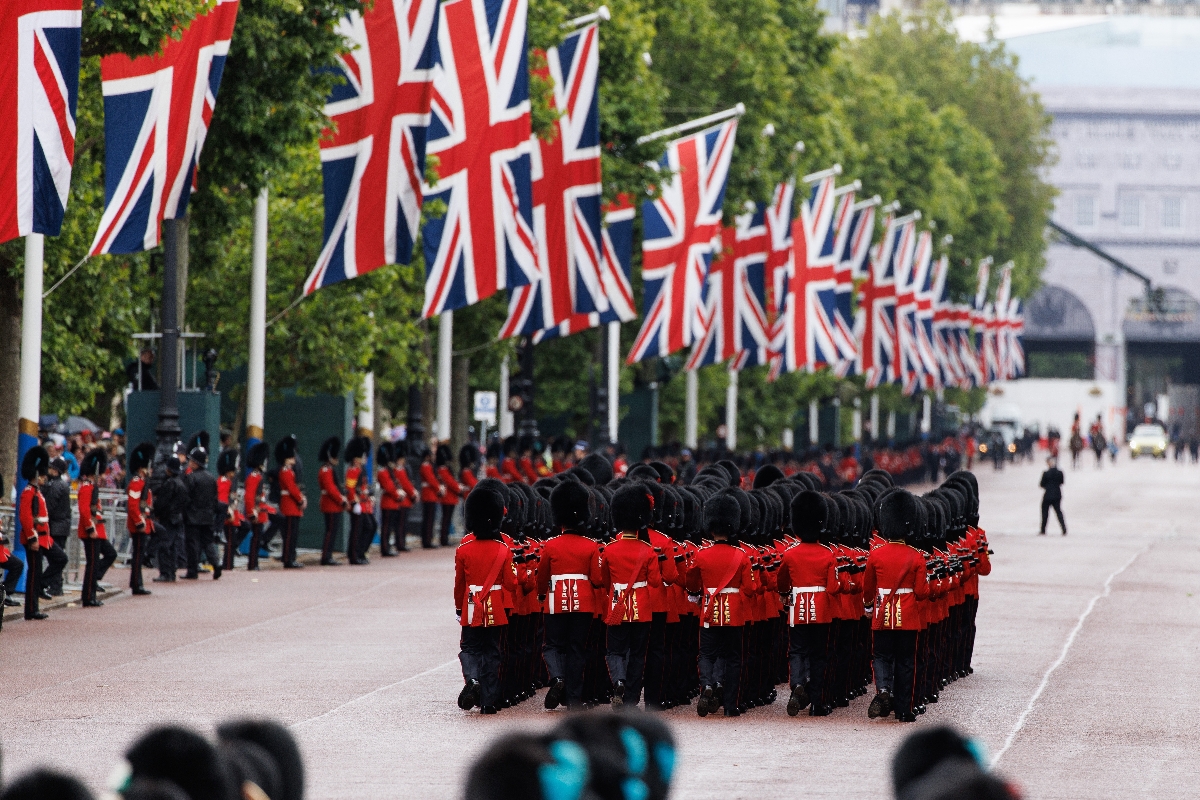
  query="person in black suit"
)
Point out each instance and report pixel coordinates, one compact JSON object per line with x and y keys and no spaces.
{"x":1052,"y":481}
{"x":200,"y":514}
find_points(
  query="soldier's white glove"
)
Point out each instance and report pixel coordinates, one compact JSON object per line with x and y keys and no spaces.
{"x":357,"y":508}
{"x":458,"y":617}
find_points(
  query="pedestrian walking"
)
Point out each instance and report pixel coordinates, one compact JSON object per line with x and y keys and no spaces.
{"x":1052,"y":481}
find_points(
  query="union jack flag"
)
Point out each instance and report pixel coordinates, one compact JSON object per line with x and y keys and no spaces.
{"x":480,"y":131}
{"x":156,"y":115}
{"x":681,"y":233}
{"x":39,"y":78}
{"x":809,"y":330}
{"x":964,"y":318}
{"x":1016,"y":339}
{"x":908,"y":359}
{"x":854,"y":225}
{"x":945,"y":334}
{"x":373,"y":158}
{"x":778,"y":220}
{"x":617,"y":271}
{"x":1000,"y":338}
{"x":566,"y":197}
{"x":876,"y":322}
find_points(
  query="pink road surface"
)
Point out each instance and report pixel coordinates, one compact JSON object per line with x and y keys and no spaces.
{"x":1086,"y":665}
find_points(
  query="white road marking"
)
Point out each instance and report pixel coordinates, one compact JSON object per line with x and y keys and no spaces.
{"x":1104,"y":592}
{"x":374,"y":692}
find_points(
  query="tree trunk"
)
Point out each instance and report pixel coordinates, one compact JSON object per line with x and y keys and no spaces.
{"x":460,"y":406}
{"x":10,"y":371}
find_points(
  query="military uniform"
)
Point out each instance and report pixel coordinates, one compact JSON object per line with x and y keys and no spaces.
{"x":291,"y":500}
{"x":333,"y":501}
{"x":98,"y":550}
{"x":138,"y":501}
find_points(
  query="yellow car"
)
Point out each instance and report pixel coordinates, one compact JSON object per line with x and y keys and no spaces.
{"x":1148,"y":440}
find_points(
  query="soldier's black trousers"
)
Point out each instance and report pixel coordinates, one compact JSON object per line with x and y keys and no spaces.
{"x":565,"y":650}
{"x":428,"y":512}
{"x":33,"y":582}
{"x":392,"y":528}
{"x":447,"y":517}
{"x":53,"y":561}
{"x":479,"y":654}
{"x":365,"y":535}
{"x":137,"y":551}
{"x":234,"y":534}
{"x":331,"y":528}
{"x":721,"y":657}
{"x":626,"y":656}
{"x":656,"y":661}
{"x":55,"y":585}
{"x":291,"y":532}
{"x":100,"y":556}
{"x":256,"y":532}
{"x":895,"y":654}
{"x":200,"y":539}
{"x":808,"y":657}
{"x":14,"y":568}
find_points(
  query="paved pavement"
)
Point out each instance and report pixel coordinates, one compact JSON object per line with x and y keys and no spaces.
{"x":1086,"y":662}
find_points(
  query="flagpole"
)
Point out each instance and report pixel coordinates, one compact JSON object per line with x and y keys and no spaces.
{"x":505,"y":428}
{"x":600,"y":14}
{"x":871,"y":201}
{"x":445,"y":346}
{"x":731,"y":407}
{"x":875,"y":417}
{"x":833,"y":171}
{"x":614,"y":378}
{"x":926,"y":413}
{"x":701,"y":122}
{"x":256,"y":368}
{"x":30,"y":397}
{"x":814,"y":431}
{"x":691,"y":412}
{"x":853,"y":186}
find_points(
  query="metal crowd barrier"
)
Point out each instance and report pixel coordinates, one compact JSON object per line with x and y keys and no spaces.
{"x":112,"y":506}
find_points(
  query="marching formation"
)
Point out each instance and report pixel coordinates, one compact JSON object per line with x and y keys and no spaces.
{"x":644,"y":589}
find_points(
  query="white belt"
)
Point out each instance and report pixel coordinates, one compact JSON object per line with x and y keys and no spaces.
{"x":723,"y":591}
{"x":475,"y":590}
{"x":886,"y":592}
{"x":806,"y":589}
{"x":620,"y":587}
{"x":568,"y":576}
{"x":495,"y":588}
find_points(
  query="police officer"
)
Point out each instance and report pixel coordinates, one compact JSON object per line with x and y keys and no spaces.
{"x":200,"y":514}
{"x":57,"y":492}
{"x":170,"y":502}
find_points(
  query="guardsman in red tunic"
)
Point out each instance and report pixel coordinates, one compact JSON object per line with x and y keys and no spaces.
{"x":228,"y":511}
{"x":510,"y":469}
{"x":35,"y":530}
{"x":99,"y":551}
{"x":894,"y":582}
{"x":292,"y":501}
{"x":333,"y":502}
{"x":528,"y":471}
{"x":808,"y":579}
{"x":630,"y":568}
{"x":431,"y":493}
{"x":253,"y":503}
{"x":721,"y":574}
{"x":568,"y":577}
{"x":392,"y":498}
{"x":362,"y":503}
{"x":138,"y":502}
{"x":483,"y":575}
{"x":468,"y":465}
{"x":492,"y":465}
{"x":449,"y":499}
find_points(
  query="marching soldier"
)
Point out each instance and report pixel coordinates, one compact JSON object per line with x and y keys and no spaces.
{"x":137,"y":504}
{"x":358,"y":494}
{"x":568,"y":576}
{"x":229,"y":516}
{"x":894,"y":581}
{"x":98,"y":550}
{"x":449,"y":499}
{"x":722,"y":575}
{"x":254,"y":504}
{"x":35,"y":530}
{"x":333,"y":502}
{"x":292,"y":501}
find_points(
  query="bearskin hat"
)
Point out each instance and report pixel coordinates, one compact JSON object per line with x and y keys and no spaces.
{"x":599,"y":468}
{"x":385,"y":453}
{"x":484,"y":511}
{"x":877,"y":476}
{"x":400,"y":449}
{"x":632,"y":507}
{"x":249,"y":764}
{"x":643,"y":472}
{"x":898,"y":516}
{"x":182,"y":757}
{"x":256,"y":456}
{"x":94,"y":463}
{"x":227,"y":461}
{"x":766,"y":475}
{"x":723,"y":516}
{"x":141,"y":457}
{"x":580,"y":474}
{"x":279,"y":744}
{"x":510,"y":445}
{"x":493,"y":450}
{"x":42,"y":784}
{"x":358,"y":447}
{"x":810,"y":516}
{"x":571,"y":504}
{"x":468,"y":456}
{"x":807,"y":480}
{"x":285,"y":448}
{"x":330,"y":448}
{"x":198,"y":439}
{"x":665,"y":473}
{"x":735,"y":474}
{"x":922,"y":751}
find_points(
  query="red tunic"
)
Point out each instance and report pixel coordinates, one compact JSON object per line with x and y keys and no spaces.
{"x":722,"y":573}
{"x":629,"y":568}
{"x":35,"y":520}
{"x":454,"y":491}
{"x":808,"y":575}
{"x":332,"y":499}
{"x":569,"y":573}
{"x":483,"y":574}
{"x":527,"y":469}
{"x":233,"y":516}
{"x":135,"y":516}
{"x":391,"y":498}
{"x":358,"y":489}
{"x":510,"y":472}
{"x":467,"y":478}
{"x":430,"y":488}
{"x":660,"y":596}
{"x":493,"y":473}
{"x":894,"y":581}
{"x":91,"y":521}
{"x":290,"y":498}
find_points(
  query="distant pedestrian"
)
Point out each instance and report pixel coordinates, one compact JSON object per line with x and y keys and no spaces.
{"x":1052,"y":481}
